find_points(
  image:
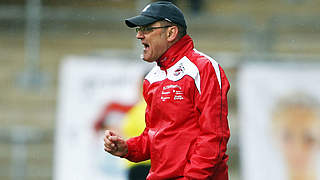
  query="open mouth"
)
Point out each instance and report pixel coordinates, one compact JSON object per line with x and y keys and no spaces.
{"x":146,"y":46}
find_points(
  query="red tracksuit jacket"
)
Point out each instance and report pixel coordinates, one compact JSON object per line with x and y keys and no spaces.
{"x":187,"y":129}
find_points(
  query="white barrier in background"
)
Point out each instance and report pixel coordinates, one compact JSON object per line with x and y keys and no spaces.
{"x":85,"y":85}
{"x":271,"y":149}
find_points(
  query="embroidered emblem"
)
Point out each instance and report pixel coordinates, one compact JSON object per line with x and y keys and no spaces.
{"x":179,"y":70}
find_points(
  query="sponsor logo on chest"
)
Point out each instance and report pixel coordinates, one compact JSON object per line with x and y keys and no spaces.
{"x":172,"y":93}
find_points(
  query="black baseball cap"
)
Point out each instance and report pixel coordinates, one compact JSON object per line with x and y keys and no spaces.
{"x":157,"y":11}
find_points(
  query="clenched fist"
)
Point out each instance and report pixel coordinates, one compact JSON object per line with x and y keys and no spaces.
{"x":114,"y":144}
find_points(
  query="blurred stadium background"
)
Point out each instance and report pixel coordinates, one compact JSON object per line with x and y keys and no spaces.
{"x":35,"y":35}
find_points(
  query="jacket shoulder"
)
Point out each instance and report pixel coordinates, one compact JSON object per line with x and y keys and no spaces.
{"x":203,"y":61}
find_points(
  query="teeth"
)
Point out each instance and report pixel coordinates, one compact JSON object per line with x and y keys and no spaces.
{"x":145,"y":46}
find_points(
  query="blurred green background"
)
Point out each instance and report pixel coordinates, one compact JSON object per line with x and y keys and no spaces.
{"x":36,"y":35}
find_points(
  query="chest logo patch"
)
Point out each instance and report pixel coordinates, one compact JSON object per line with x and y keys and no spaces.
{"x":172,"y":93}
{"x":180,"y":70}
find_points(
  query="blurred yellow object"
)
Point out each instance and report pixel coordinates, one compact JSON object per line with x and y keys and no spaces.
{"x":134,"y":124}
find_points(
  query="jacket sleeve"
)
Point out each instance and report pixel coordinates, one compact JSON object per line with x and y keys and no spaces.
{"x":138,"y":147}
{"x":208,"y":154}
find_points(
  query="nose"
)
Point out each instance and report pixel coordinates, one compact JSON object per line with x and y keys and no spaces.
{"x":139,"y":35}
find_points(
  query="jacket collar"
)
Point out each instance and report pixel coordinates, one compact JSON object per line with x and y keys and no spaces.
{"x":175,"y":52}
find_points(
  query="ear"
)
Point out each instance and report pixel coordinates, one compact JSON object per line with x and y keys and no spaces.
{"x":172,"y":33}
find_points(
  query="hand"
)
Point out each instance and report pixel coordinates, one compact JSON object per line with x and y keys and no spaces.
{"x":114,"y":144}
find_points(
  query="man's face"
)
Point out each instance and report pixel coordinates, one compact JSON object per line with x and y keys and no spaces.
{"x":299,"y":136}
{"x":154,"y":42}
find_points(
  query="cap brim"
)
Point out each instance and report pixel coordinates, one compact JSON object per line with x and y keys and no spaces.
{"x":140,"y":20}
